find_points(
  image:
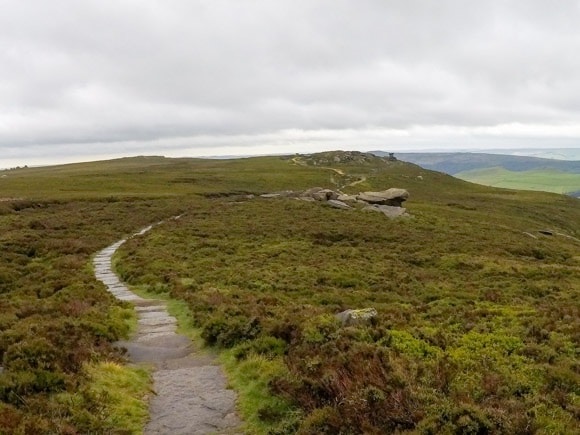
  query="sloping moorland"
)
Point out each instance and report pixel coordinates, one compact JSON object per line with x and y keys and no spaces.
{"x":478,"y":320}
{"x":498,"y":170}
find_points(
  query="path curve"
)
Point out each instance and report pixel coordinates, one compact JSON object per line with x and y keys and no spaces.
{"x":190,"y":389}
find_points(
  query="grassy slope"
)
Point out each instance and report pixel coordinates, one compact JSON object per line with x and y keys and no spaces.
{"x":543,"y":180}
{"x":453,"y":163}
{"x":477,"y":327}
{"x":453,"y":272}
{"x":155,"y":176}
{"x":51,"y":221}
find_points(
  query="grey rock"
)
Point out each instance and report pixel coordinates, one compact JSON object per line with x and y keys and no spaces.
{"x":338,"y":204}
{"x":347,"y":198}
{"x":387,"y":210}
{"x":325,"y":195}
{"x":393,"y":197}
{"x":271,"y":195}
{"x":311,"y":191}
{"x":319,"y":194}
{"x":356,"y":317}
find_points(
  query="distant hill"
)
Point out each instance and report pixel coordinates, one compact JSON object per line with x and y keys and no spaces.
{"x":453,"y":163}
{"x":516,"y":172}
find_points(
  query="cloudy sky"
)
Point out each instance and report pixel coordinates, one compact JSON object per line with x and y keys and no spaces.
{"x":81,"y":80}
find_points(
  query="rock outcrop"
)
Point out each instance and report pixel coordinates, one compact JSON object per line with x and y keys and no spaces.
{"x":389,"y":202}
{"x":393,"y":197}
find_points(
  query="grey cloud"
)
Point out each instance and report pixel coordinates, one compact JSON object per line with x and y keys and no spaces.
{"x":116,"y":71}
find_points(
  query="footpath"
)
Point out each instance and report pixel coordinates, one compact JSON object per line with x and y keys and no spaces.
{"x":190,"y":393}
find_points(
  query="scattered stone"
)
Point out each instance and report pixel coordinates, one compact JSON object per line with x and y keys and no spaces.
{"x":389,"y":202}
{"x":338,"y":204}
{"x":356,"y":317}
{"x":312,"y":190}
{"x":346,"y":198}
{"x":325,"y":195}
{"x":319,"y":194}
{"x":387,"y":210}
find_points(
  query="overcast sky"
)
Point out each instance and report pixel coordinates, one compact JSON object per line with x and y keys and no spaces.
{"x":81,"y":80}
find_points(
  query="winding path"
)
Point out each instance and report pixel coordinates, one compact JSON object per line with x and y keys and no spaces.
{"x":190,"y":389}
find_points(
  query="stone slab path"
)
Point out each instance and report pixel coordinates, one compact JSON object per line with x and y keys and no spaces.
{"x":190,"y":389}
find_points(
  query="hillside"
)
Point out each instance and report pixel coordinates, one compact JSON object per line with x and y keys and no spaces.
{"x":548,"y":180}
{"x":453,"y":163}
{"x":515,"y":172}
{"x":477,"y":327}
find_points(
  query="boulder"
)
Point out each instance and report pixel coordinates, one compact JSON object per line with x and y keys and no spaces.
{"x":311,"y":191}
{"x":319,"y":194}
{"x":338,"y":204}
{"x":356,"y":317}
{"x":388,"y":210}
{"x":393,"y":197}
{"x":325,"y":195}
{"x":344,"y":197}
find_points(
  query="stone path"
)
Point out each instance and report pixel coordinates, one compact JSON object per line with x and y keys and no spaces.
{"x":190,"y":389}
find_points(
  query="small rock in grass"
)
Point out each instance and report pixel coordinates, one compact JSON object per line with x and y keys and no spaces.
{"x":338,"y":204}
{"x":356,"y":317}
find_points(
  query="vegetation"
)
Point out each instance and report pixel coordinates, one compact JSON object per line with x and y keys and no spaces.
{"x":539,"y":179}
{"x":477,"y":328}
{"x":513,"y":172}
{"x":57,"y":324}
{"x":454,"y":163}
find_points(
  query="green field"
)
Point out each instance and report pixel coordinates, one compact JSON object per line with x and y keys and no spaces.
{"x":538,"y":179}
{"x":477,"y":327}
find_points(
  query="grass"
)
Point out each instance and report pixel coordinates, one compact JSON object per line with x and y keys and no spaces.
{"x":543,"y":180}
{"x":462,"y":294}
{"x":121,"y":393}
{"x":261,"y":412}
{"x":477,"y":327}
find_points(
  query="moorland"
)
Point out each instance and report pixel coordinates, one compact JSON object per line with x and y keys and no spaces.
{"x":477,"y":327}
{"x":499,"y":170}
